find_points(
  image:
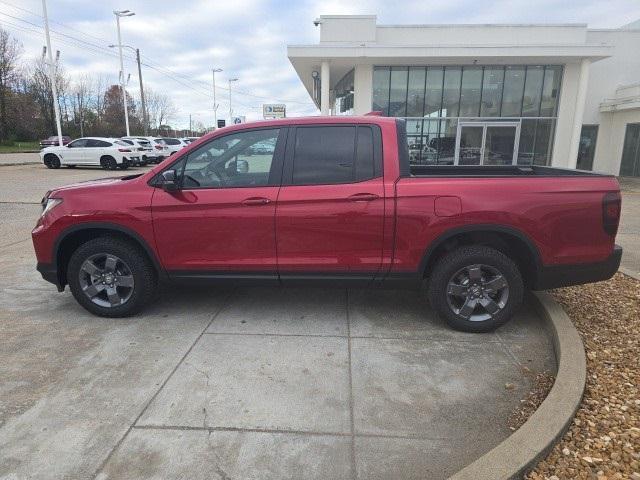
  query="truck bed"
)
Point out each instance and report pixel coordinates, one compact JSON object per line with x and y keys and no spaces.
{"x":497,"y":171}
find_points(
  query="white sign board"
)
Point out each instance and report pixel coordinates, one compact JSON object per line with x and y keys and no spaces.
{"x":240,"y":119}
{"x":274,"y":110}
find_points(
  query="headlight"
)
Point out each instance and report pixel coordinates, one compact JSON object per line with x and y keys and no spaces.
{"x":50,"y":204}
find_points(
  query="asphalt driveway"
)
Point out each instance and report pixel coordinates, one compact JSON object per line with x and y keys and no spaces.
{"x":243,"y":383}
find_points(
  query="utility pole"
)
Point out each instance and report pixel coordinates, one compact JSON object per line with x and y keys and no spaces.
{"x":81,"y":112}
{"x":190,"y":126}
{"x":231,"y":109}
{"x":52,"y":72}
{"x":215,"y":105}
{"x":118,"y":14}
{"x":144,"y":103}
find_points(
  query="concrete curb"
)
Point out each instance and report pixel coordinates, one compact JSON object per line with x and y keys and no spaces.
{"x":13,"y":164}
{"x":629,"y":273}
{"x":526,"y":446}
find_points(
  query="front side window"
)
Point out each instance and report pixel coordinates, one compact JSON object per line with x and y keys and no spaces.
{"x":334,"y":154}
{"x":241,"y":159}
{"x":80,"y":143}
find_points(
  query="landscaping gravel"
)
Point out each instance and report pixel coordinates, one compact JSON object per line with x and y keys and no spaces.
{"x":603,"y":441}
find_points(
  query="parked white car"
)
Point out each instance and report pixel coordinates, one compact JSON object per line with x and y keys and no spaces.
{"x":143,"y":147}
{"x":173,"y":144}
{"x":160,"y":148}
{"x":108,"y":153}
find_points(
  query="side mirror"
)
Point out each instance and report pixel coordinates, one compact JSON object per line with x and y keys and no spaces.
{"x":242,"y":166}
{"x":169,"y":181}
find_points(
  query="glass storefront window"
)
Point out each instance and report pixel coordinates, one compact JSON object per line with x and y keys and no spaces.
{"x":513,"y":90}
{"x":492,"y":91}
{"x":433,"y":95}
{"x":398,"y":92}
{"x":532,"y":92}
{"x":470,"y":92}
{"x":451,"y":92}
{"x":536,"y":141}
{"x":415,"y":94}
{"x":343,"y":103}
{"x":550,"y":91}
{"x":587,"y":147}
{"x":381,"y":89}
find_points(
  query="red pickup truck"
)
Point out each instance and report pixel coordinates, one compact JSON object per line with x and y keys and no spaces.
{"x":331,"y":201}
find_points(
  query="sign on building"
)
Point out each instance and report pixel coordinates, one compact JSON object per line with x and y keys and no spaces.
{"x":221,"y":123}
{"x":239,"y":119}
{"x":274,"y":110}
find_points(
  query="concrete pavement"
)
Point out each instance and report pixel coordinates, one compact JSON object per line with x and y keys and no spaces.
{"x":249,"y":383}
{"x":629,"y":232}
{"x":7,"y":159}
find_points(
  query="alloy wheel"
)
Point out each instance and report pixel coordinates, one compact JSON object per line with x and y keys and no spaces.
{"x":106,"y":280}
{"x":477,"y":292}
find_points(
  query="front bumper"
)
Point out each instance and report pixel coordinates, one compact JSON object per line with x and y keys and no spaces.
{"x":557,"y":276}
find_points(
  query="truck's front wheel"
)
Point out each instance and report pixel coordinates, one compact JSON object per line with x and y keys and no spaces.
{"x":475,"y":288}
{"x":111,"y":277}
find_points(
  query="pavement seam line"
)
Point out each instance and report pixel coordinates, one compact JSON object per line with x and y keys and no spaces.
{"x":351,"y":418}
{"x":223,"y":305}
{"x":285,"y":432}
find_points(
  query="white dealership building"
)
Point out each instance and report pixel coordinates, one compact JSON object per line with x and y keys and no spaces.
{"x":562,"y":95}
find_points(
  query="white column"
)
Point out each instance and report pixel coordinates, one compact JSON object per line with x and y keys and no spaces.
{"x":581,"y":97}
{"x":325,"y":80}
{"x":362,"y":89}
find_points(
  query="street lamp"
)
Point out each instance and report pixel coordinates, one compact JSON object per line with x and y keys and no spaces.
{"x":230,"y":109}
{"x":118,"y":14}
{"x":215,"y":105}
{"x":145,"y":120}
{"x":52,"y":72}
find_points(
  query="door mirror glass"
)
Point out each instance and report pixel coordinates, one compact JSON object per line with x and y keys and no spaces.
{"x":242,"y":166}
{"x":169,"y":181}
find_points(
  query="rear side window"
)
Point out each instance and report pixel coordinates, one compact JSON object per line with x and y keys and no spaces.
{"x":334,"y":154}
{"x":97,"y":143}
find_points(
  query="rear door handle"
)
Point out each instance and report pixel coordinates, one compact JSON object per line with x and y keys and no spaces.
{"x":363,"y":197}
{"x":256,"y":201}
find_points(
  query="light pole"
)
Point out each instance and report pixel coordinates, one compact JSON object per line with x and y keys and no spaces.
{"x":230,"y":109}
{"x":215,"y":105}
{"x":145,"y":120}
{"x":118,"y":14}
{"x":52,"y":73}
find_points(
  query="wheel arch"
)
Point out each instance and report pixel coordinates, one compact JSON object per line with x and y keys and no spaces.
{"x":508,"y":240}
{"x":74,"y":236}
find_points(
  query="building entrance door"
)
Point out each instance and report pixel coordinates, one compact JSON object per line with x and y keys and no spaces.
{"x":487,"y":143}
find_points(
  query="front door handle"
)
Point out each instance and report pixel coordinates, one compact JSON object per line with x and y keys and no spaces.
{"x":256,"y":201}
{"x":363,"y":197}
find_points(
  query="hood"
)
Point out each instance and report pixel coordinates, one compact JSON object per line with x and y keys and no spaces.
{"x":90,"y":184}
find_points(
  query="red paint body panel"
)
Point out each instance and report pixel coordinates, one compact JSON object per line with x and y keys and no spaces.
{"x":320,"y":228}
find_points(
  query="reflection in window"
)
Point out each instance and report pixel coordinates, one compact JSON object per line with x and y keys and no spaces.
{"x":532,"y":92}
{"x":536,"y":141}
{"x":513,"y":89}
{"x":492,"y":91}
{"x":415,"y":95}
{"x":451,"y":93}
{"x":470,"y":93}
{"x":433,"y":97}
{"x":381,"y":90}
{"x":344,"y":94}
{"x":398,"y":93}
{"x":550,"y":91}
{"x":587,"y":147}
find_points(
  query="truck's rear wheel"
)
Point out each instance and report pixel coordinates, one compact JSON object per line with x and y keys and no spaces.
{"x":475,"y":288}
{"x":110,"y":277}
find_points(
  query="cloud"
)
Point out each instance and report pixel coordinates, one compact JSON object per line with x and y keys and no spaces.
{"x":182,"y":41}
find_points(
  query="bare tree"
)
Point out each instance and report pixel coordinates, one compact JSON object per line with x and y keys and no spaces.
{"x":160,"y":108}
{"x":10,"y":50}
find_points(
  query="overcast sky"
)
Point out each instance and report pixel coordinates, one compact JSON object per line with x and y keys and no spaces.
{"x":182,"y":40}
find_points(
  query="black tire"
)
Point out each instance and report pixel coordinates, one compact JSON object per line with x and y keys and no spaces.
{"x":123,"y":165}
{"x":108,"y":163}
{"x":490,"y":263}
{"x":143,"y":273}
{"x":51,"y":160}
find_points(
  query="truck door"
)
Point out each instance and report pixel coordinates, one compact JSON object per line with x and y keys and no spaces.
{"x":330,"y":210}
{"x":220,"y":224}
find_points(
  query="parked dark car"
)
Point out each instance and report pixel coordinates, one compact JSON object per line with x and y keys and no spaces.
{"x":53,"y":140}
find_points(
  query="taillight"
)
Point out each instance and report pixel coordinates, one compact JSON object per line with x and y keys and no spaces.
{"x":611,"y":206}
{"x":124,"y":150}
